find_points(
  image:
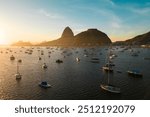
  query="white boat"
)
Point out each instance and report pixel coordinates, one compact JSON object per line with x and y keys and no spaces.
{"x":44,"y":84}
{"x":77,"y":59}
{"x":18,"y":75}
{"x":135,"y":73}
{"x":107,"y":68}
{"x":110,"y":88}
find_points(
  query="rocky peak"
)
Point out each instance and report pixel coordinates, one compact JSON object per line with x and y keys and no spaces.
{"x":67,"y":33}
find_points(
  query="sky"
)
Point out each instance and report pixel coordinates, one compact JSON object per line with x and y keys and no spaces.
{"x":45,"y":20}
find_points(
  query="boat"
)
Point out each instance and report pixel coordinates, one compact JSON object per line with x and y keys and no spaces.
{"x":95,"y":60}
{"x":12,"y":57}
{"x":107,"y":86}
{"x":135,"y":54}
{"x":135,"y":73}
{"x":44,"y":84}
{"x":110,"y":88}
{"x":44,"y":66}
{"x":19,"y":60}
{"x":77,"y":59}
{"x":107,"y":68}
{"x":109,"y":64}
{"x":18,"y":75}
{"x":59,"y":61}
{"x":40,"y":58}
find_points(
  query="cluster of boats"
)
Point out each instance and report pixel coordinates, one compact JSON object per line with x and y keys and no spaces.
{"x":108,"y":67}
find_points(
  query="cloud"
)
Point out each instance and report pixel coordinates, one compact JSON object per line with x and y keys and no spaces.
{"x":141,"y":11}
{"x":110,"y":2}
{"x":50,"y":15}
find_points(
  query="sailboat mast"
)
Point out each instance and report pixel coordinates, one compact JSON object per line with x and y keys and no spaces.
{"x":17,"y":67}
{"x":109,"y":53}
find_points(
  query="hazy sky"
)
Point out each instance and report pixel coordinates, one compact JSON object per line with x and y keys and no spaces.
{"x":40,"y":20}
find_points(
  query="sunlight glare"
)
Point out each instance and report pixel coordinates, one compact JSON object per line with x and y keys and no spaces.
{"x":3,"y":40}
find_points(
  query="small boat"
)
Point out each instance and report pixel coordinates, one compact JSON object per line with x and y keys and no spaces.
{"x":77,"y":59}
{"x":44,"y":84}
{"x":44,"y":66}
{"x":135,"y":54}
{"x":110,"y":88}
{"x":40,"y":58}
{"x":95,"y":60}
{"x":85,"y":55}
{"x":59,"y":61}
{"x":19,"y":60}
{"x":135,"y":73}
{"x":18,"y":75}
{"x":12,"y":57}
{"x":108,"y":68}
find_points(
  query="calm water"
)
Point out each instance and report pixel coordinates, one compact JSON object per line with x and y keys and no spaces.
{"x":72,"y":79}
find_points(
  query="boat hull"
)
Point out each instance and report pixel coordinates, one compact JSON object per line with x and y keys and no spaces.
{"x":110,"y":88}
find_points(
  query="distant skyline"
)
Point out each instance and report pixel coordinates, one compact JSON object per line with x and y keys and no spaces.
{"x":44,"y":20}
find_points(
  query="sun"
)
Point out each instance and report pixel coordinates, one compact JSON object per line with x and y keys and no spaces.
{"x":3,"y":40}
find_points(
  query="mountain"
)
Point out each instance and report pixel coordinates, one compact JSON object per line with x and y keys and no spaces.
{"x":21,"y":43}
{"x":67,"y":33}
{"x":89,"y":37}
{"x":92,"y":37}
{"x":142,"y":39}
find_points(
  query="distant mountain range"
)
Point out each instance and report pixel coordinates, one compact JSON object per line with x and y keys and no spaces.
{"x":22,"y":43}
{"x":91,"y":37}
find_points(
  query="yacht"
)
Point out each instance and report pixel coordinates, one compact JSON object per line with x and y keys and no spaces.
{"x":110,"y":88}
{"x":44,"y":84}
{"x":135,"y":73}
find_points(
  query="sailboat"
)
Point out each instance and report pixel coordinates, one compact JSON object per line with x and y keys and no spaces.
{"x":108,"y":66}
{"x":18,"y":75}
{"x":109,"y":87}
